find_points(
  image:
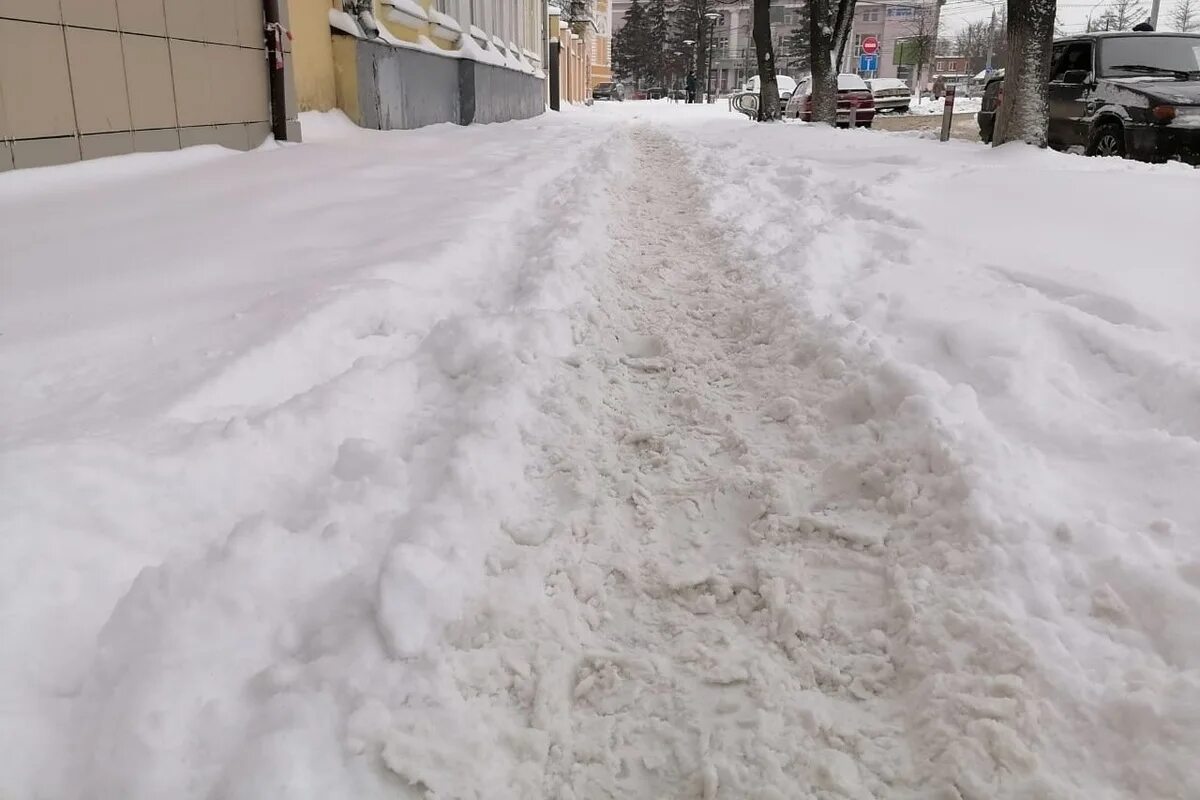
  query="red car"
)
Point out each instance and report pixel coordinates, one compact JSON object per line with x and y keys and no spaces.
{"x":855,"y":108}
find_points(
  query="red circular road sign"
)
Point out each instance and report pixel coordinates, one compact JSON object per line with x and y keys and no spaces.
{"x":870,"y":45}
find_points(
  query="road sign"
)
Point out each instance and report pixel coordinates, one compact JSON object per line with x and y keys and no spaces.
{"x":870,"y":45}
{"x":868,"y":63}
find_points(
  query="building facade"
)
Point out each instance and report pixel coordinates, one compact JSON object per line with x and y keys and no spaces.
{"x":571,"y":52}
{"x":392,"y":64}
{"x":82,"y":79}
{"x":601,"y":12}
{"x":897,"y":28}
{"x":734,"y":58}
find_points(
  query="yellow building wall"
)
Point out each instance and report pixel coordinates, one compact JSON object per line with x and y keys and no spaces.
{"x":312,"y":54}
{"x":345,"y":73}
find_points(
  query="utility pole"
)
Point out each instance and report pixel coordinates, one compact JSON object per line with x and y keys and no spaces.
{"x":992,"y":43}
{"x":1154,"y":14}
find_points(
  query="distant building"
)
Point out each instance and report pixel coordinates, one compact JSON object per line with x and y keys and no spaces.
{"x":951,"y":65}
{"x":602,"y":18}
{"x":735,"y":60}
{"x":897,"y":28}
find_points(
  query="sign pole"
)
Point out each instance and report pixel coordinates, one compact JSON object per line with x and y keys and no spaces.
{"x":947,"y":113}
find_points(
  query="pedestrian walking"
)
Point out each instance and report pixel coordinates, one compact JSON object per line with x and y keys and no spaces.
{"x":691,"y":87}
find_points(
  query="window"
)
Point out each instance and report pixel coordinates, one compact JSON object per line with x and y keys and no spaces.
{"x":872,"y":14}
{"x":1076,"y":56}
{"x":1161,"y":51}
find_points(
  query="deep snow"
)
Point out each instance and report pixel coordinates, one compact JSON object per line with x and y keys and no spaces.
{"x":664,"y":455}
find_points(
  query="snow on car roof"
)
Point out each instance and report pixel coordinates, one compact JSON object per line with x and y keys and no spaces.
{"x":785,"y":83}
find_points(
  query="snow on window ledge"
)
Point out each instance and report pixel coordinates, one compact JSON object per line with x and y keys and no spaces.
{"x":477,"y":47}
{"x":445,"y":20}
{"x":470,"y":49}
{"x":406,"y":12}
{"x":341,"y":21}
{"x":481,"y":38}
{"x":445,"y":26}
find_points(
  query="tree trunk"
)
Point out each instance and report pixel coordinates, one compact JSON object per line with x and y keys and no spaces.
{"x":824,"y":74}
{"x":768,"y":83}
{"x":841,"y":30}
{"x":1024,"y":113}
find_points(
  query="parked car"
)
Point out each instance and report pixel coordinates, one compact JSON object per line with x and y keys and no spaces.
{"x":993,"y":93}
{"x":656,"y":93}
{"x":787,"y":87}
{"x":608,"y":91}
{"x":890,"y":94}
{"x":855,"y":106}
{"x":1126,"y":94}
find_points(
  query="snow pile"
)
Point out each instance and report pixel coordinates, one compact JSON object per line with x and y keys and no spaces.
{"x":259,"y":441}
{"x":1044,"y":543}
{"x":962,"y":105}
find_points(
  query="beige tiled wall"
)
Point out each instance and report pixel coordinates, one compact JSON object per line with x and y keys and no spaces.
{"x":85,"y":79}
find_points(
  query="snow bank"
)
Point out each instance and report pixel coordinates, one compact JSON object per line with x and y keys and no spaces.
{"x":962,"y":105}
{"x":1038,"y":381}
{"x":259,"y":440}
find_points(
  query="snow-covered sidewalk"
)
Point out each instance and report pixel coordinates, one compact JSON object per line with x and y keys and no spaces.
{"x":664,"y":455}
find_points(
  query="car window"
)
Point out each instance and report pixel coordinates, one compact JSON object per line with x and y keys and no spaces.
{"x":1056,"y":55}
{"x":1178,"y":53}
{"x":1075,"y":56}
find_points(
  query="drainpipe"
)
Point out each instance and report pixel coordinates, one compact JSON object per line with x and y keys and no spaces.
{"x":275,"y":33}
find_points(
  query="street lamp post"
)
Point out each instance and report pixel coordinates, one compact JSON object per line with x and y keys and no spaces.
{"x":712,"y":17}
{"x":675,"y":79}
{"x":691,"y":46}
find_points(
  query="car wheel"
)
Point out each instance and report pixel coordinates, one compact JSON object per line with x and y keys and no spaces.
{"x":1107,"y":140}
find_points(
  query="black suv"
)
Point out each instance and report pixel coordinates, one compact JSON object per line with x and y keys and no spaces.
{"x":1120,"y":94}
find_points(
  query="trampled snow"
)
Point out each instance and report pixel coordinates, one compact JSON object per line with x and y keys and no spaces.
{"x":637,"y":451}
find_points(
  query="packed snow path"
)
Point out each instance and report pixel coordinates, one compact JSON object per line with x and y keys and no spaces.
{"x":714,"y":624}
{"x":704,"y":635}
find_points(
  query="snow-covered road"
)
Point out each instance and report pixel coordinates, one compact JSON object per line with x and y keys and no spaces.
{"x":665,"y":455}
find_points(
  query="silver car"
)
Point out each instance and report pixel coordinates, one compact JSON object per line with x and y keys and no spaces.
{"x":891,"y":94}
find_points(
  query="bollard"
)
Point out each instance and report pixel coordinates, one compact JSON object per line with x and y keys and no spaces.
{"x":947,"y":113}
